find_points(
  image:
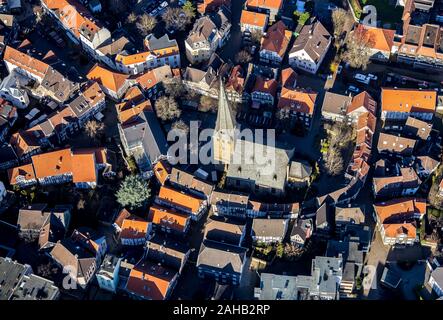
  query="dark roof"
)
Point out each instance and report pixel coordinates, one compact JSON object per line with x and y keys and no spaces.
{"x":220,"y":256}
{"x":11,"y":273}
{"x":269,"y":227}
{"x":221,"y":231}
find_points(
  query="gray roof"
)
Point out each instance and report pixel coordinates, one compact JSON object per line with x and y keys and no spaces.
{"x":302,"y":228}
{"x":264,"y":164}
{"x":347,"y":249}
{"x":167,"y":251}
{"x":113,"y":47}
{"x":108,"y":266}
{"x":222,"y":257}
{"x":418,"y":128}
{"x":437,"y":274}
{"x":300,"y":169}
{"x":229,"y":199}
{"x":58,"y":85}
{"x":314,"y":39}
{"x":349,"y":214}
{"x":335,"y":103}
{"x":33,"y":287}
{"x":189,"y":181}
{"x":147,"y":133}
{"x":32,"y":217}
{"x":327,"y":271}
{"x":154,"y":43}
{"x":269,"y":227}
{"x":11,"y":273}
{"x":221,"y":231}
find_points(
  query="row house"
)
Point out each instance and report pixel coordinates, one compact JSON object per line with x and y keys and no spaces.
{"x":417,"y":129}
{"x":108,"y":51}
{"x":229,"y":232}
{"x":310,"y":47}
{"x":264,"y":91}
{"x":63,"y":166}
{"x":151,"y":281}
{"x":190,"y":183}
{"x":168,"y":220}
{"x":159,"y":52}
{"x":269,"y":230}
{"x":112,"y":83}
{"x":9,"y":28}
{"x":221,"y":262}
{"x":273,"y":8}
{"x":297,"y":104}
{"x":235,"y":86}
{"x":108,"y":274}
{"x":183,"y":202}
{"x":209,"y":33}
{"x":162,"y":170}
{"x":273,"y":210}
{"x":134,"y":231}
{"x":152,"y":82}
{"x":396,"y":220}
{"x":381,"y":42}
{"x":253,"y":21}
{"x":389,"y":143}
{"x":405,"y":184}
{"x":399,"y":104}
{"x":274,"y":43}
{"x":206,"y":6}
{"x":12,"y":89}
{"x":79,"y":25}
{"x":229,"y":204}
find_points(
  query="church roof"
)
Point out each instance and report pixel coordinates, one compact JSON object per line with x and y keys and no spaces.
{"x":225,"y":118}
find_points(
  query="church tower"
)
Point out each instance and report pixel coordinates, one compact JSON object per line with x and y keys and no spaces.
{"x":224,"y":132}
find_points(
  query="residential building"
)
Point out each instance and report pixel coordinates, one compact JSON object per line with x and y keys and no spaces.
{"x":152,"y":82}
{"x":183,"y":202}
{"x":222,"y":262}
{"x":425,"y":166}
{"x":162,"y":170}
{"x":269,"y":230}
{"x":169,"y":220}
{"x":8,"y":117}
{"x":93,"y":241}
{"x":264,"y":92}
{"x":301,"y":231}
{"x":235,"y":86}
{"x":108,"y":274}
{"x":253,"y":21}
{"x":389,"y":143}
{"x":134,"y":231}
{"x":8,"y":157}
{"x":159,"y":52}
{"x":151,"y":281}
{"x":273,"y":210}
{"x":310,"y":47}
{"x":11,"y":89}
{"x":271,"y":7}
{"x":9,"y":28}
{"x":399,"y":104}
{"x":209,"y":33}
{"x":229,"y":232}
{"x":167,"y":251}
{"x":362,"y":103}
{"x":206,"y":6}
{"x":323,"y":221}
{"x":417,"y":129}
{"x":20,"y":283}
{"x":345,"y":216}
{"x":299,"y":105}
{"x":274,"y":43}
{"x":112,"y":83}
{"x":335,"y":106}
{"x":381,"y":42}
{"x":189,"y":182}
{"x":404,"y":184}
{"x":63,"y":166}
{"x":229,"y":204}
{"x":78,"y":23}
{"x":396,"y":220}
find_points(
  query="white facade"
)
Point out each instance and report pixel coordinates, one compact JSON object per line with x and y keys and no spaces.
{"x":10,"y":90}
{"x":301,"y":60}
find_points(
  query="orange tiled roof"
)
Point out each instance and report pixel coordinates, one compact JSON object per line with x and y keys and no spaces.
{"x":162,"y":171}
{"x":52,"y":163}
{"x":25,"y":62}
{"x":24,"y":141}
{"x":132,"y":58}
{"x":366,"y":120}
{"x":408,"y":100}
{"x":365,"y":100}
{"x":400,"y":207}
{"x":393,"y":230}
{"x":109,"y":79}
{"x":128,"y":115}
{"x":150,"y":280}
{"x":277,"y":39}
{"x":83,"y":166}
{"x":288,"y":78}
{"x":254,"y":18}
{"x":381,"y":39}
{"x":93,"y":93}
{"x":134,"y":228}
{"x":297,"y":100}
{"x":168,"y":218}
{"x":266,"y":86}
{"x":274,"y":4}
{"x":184,"y":200}
{"x":26,"y":171}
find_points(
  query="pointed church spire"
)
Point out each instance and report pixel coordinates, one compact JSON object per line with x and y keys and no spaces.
{"x":225,"y":118}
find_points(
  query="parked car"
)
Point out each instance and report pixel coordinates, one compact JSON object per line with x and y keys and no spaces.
{"x":362,"y":78}
{"x":332,"y":6}
{"x":372,"y":76}
{"x":339,"y":69}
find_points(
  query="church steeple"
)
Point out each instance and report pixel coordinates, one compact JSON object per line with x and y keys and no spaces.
{"x":225,"y":118}
{"x":224,"y":132}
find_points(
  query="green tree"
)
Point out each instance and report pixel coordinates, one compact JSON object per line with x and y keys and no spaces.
{"x":302,"y":17}
{"x":189,"y":9}
{"x":134,"y":192}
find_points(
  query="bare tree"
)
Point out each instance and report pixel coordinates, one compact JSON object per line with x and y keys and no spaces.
{"x":175,"y":88}
{"x":146,"y":24}
{"x":94,"y":129}
{"x":340,"y":18}
{"x":340,"y":138}
{"x":243,"y":57}
{"x":333,"y":162}
{"x":176,"y":19}
{"x":181,"y":126}
{"x":207,"y":104}
{"x":358,"y":45}
{"x":167,"y":108}
{"x":132,"y":18}
{"x":434,"y":198}
{"x":256,"y":36}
